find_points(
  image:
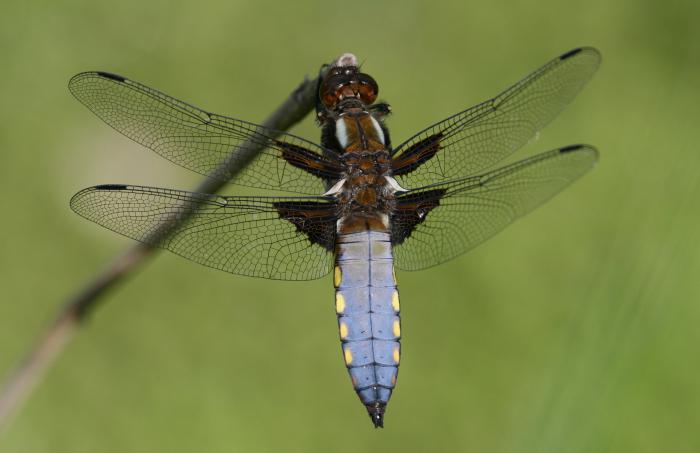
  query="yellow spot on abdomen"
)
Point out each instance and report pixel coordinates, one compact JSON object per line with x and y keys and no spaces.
{"x":397,"y":354}
{"x":348,"y":356}
{"x":337,"y":276}
{"x":343,"y":330}
{"x":339,"y":303}
{"x":397,"y":328}
{"x":395,"y":301}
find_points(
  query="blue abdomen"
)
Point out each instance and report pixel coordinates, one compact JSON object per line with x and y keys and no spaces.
{"x":367,"y":304}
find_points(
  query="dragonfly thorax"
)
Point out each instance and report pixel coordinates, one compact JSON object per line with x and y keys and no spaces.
{"x":366,"y":193}
{"x":359,"y":132}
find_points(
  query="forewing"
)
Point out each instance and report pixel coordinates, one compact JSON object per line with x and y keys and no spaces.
{"x":210,"y":144}
{"x":477,"y":138}
{"x":242,"y":235}
{"x":439,"y":222}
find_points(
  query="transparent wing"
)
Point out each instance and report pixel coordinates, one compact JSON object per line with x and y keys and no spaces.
{"x":207,"y":143}
{"x":241,"y":235}
{"x":445,"y":220}
{"x":477,"y":138}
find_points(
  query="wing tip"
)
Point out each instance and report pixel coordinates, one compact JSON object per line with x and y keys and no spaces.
{"x":111,"y":76}
{"x":587,"y":49}
{"x":73,"y":82}
{"x":75,"y":199}
{"x":571,"y":53}
{"x":74,"y":202}
{"x":570,"y":148}
{"x":589,"y":149}
{"x":110,"y":187}
{"x":576,"y":147}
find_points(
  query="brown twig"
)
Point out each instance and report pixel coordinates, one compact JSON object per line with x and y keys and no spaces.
{"x":29,"y":371}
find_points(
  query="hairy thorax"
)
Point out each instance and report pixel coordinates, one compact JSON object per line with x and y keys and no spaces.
{"x":366,"y":198}
{"x":366,"y":192}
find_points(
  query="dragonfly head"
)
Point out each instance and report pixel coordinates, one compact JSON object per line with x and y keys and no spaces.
{"x":344,"y":83}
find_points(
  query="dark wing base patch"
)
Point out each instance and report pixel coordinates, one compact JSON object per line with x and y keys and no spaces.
{"x":316,"y":220}
{"x":309,"y":161}
{"x":416,"y":154}
{"x":411,"y":210}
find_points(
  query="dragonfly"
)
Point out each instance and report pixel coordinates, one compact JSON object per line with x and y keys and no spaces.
{"x":354,"y":205}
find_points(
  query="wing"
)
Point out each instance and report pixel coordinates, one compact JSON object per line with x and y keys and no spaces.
{"x":437,"y":223}
{"x":281,"y":238}
{"x":477,"y":138}
{"x":210,"y":144}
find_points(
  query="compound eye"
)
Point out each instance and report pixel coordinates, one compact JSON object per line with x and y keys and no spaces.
{"x":328,"y":99}
{"x":329,"y":92}
{"x":368,"y":88}
{"x":332,"y":87}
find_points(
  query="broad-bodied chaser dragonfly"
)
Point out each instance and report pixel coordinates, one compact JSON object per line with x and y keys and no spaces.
{"x":362,"y":206}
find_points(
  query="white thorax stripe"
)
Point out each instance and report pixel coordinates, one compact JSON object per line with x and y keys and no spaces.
{"x":378,"y":128}
{"x":341,"y":132}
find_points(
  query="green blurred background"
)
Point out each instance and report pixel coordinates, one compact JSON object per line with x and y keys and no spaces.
{"x":575,"y":330}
